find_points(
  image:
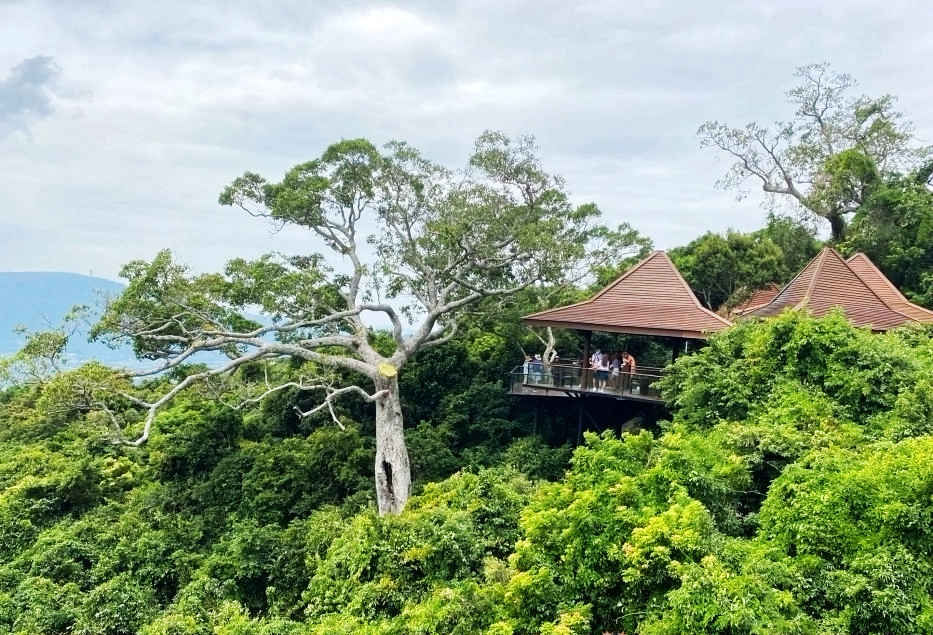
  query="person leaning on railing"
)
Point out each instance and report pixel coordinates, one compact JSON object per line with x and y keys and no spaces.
{"x":629,"y":368}
{"x":602,"y":372}
{"x":615,"y":366}
{"x":555,"y":370}
{"x":535,"y":367}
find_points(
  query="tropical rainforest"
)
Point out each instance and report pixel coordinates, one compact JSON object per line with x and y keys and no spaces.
{"x":330,"y":476}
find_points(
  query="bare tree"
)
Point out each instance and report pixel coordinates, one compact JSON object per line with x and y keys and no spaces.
{"x":604,"y":253}
{"x":419,"y":243}
{"x":789,"y":159}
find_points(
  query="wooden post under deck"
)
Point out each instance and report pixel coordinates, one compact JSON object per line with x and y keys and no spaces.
{"x":680,"y":346}
{"x":579,"y":421}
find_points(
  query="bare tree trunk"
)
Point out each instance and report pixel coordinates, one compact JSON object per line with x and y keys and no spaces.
{"x":393,"y":471}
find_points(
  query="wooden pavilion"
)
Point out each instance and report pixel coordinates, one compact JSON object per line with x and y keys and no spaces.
{"x":855,"y":285}
{"x":651,"y":298}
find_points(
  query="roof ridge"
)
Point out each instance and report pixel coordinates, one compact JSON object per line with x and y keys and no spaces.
{"x":690,"y":291}
{"x":787,"y":285}
{"x":868,"y":286}
{"x":871,"y":264}
{"x":886,"y":281}
{"x":819,"y":259}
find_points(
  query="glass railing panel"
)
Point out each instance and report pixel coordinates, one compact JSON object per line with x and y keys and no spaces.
{"x":567,"y":377}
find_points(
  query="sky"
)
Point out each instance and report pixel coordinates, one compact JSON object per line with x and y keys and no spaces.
{"x":121,"y":121}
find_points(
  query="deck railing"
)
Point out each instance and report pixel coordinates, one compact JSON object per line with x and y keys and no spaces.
{"x":573,"y":378}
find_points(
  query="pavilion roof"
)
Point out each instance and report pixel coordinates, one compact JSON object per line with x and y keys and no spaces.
{"x":651,"y":298}
{"x":759,"y":298}
{"x":827,"y":282}
{"x":865,"y":269}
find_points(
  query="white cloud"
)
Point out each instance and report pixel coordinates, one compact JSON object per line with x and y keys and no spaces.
{"x":157,"y":106}
{"x":385,"y":25}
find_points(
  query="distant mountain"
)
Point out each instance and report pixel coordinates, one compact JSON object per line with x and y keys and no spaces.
{"x":39,"y":300}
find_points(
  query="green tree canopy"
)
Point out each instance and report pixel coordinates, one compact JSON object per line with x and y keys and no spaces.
{"x":418,"y":244}
{"x":824,"y":156}
{"x":725,"y":268}
{"x":894,"y":227}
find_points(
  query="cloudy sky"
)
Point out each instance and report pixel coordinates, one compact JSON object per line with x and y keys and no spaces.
{"x":121,"y":121}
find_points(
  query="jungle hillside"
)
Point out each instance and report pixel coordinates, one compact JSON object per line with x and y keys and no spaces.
{"x":324,"y":442}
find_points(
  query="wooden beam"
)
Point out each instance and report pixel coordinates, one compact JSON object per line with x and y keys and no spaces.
{"x":579,"y":422}
{"x":580,"y":326}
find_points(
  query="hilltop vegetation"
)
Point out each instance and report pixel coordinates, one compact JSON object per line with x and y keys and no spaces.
{"x":790,"y":489}
{"x":790,"y":492}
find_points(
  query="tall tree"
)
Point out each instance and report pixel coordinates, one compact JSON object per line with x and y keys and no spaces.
{"x":722,"y":266}
{"x":796,"y":240}
{"x":797,"y":159}
{"x":894,"y":227}
{"x":419,"y":244}
{"x":604,"y":253}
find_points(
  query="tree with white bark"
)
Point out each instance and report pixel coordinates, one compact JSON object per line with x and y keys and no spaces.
{"x":822,"y":157}
{"x":417,"y":244}
{"x":606,"y":253}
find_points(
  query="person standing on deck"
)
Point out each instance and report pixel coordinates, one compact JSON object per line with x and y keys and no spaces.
{"x":595,"y":357}
{"x":602,"y":372}
{"x":615,"y":367}
{"x":628,"y":370}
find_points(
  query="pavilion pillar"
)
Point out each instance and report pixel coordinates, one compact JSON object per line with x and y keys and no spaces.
{"x":584,"y":365}
{"x":680,"y":346}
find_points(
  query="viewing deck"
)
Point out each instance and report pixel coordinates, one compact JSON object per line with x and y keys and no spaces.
{"x":572,"y":381}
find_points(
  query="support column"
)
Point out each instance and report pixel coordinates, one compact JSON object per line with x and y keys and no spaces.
{"x":579,"y":420}
{"x":680,"y":345}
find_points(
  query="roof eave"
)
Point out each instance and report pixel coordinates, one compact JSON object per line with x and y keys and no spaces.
{"x":630,"y":330}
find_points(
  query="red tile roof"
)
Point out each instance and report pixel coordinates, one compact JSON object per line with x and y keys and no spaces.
{"x":865,"y":269}
{"x":757,"y":299}
{"x":828,"y":282}
{"x":651,"y":298}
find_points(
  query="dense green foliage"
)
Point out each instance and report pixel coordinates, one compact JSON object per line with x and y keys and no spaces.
{"x":726,"y":268}
{"x":790,"y":489}
{"x":789,"y":493}
{"x":894,"y":227}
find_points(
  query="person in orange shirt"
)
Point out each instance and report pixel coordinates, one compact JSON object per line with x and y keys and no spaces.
{"x":628,"y":370}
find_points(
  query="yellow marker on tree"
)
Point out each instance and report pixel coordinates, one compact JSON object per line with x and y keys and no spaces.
{"x":387,"y":370}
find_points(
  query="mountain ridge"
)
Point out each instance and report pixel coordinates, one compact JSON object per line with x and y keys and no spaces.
{"x":39,"y":300}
